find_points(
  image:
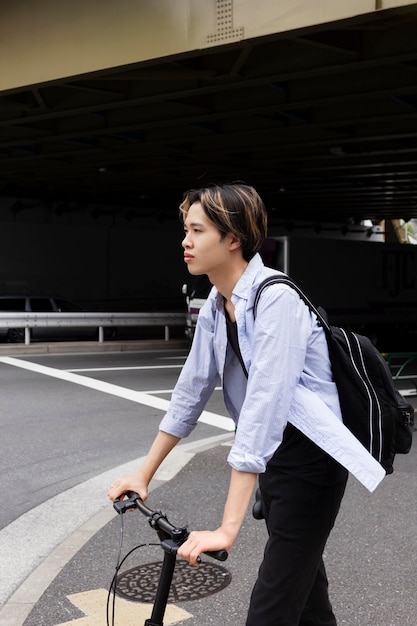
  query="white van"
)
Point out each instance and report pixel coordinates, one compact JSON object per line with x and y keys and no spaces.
{"x":195,"y":296}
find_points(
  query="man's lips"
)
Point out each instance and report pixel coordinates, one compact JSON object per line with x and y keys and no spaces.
{"x":188,"y":257}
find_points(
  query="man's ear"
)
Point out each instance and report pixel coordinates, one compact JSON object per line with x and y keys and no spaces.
{"x":235,"y":242}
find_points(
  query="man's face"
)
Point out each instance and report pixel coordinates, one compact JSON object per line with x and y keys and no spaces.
{"x":205,"y":251}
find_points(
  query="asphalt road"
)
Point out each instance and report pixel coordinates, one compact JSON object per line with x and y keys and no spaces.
{"x":57,"y":434}
{"x":70,"y":423}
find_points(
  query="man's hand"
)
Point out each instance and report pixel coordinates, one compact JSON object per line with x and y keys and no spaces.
{"x":200,"y":541}
{"x":161,"y":447}
{"x":127,"y":483}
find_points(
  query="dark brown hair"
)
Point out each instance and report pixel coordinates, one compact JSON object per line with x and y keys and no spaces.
{"x":233,"y":208}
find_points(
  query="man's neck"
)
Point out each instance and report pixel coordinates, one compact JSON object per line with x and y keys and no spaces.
{"x":227,"y":278}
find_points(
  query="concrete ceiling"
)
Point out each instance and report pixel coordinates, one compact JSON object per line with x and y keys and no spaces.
{"x":322,"y":121}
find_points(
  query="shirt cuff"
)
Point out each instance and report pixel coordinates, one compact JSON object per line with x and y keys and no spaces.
{"x":175,"y":427}
{"x":244,"y":462}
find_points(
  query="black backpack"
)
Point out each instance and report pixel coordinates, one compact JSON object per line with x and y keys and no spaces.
{"x":372,"y":408}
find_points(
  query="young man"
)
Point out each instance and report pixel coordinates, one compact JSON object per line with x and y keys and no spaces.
{"x":278,"y":387}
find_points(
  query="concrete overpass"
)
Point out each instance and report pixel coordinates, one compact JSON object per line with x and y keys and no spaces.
{"x":110,"y":110}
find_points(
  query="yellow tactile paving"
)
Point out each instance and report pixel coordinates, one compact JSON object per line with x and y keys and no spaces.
{"x":93,"y":604}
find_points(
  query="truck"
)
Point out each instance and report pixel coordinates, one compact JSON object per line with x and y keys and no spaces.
{"x":369,"y":287}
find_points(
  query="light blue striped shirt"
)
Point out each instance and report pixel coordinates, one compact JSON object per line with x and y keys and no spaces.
{"x":286,"y":356}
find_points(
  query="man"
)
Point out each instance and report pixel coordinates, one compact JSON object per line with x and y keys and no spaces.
{"x":277,"y":385}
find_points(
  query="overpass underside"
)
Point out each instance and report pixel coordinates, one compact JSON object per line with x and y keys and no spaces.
{"x":120,"y":106}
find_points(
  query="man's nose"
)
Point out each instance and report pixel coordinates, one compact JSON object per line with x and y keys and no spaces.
{"x":186,"y":243}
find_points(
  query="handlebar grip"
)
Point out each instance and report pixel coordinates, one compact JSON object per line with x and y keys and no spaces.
{"x":170,"y":546}
{"x":219,"y":555}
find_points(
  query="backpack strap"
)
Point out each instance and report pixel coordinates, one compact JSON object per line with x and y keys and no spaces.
{"x":286,"y":280}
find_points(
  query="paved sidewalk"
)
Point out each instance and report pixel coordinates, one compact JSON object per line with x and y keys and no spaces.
{"x":370,"y":556}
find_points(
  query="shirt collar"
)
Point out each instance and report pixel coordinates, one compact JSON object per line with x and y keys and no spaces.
{"x":243,"y":287}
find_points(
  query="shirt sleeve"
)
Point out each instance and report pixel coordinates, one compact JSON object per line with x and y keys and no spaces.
{"x":280,"y":336}
{"x":197,"y":380}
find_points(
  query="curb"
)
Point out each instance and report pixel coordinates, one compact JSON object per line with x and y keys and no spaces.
{"x":18,"y":606}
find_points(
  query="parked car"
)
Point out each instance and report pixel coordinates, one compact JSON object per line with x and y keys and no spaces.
{"x":42,"y":304}
{"x":195,"y":296}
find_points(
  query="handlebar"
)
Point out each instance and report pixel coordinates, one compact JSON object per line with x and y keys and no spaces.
{"x":171,"y":537}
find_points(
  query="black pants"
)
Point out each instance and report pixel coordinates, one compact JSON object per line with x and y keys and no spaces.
{"x":291,"y":589}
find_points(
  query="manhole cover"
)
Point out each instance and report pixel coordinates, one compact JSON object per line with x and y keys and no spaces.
{"x":139,"y":584}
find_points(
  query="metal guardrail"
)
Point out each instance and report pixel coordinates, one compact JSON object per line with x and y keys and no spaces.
{"x":95,"y":320}
{"x":403,"y":366}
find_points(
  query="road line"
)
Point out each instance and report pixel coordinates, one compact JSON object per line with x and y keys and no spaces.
{"x":207,"y":417}
{"x":170,"y":390}
{"x":127,"y":367}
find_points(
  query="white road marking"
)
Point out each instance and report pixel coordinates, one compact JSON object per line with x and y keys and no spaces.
{"x":207,"y":417}
{"x":42,"y":529}
{"x":127,"y":367}
{"x":171,"y":390}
